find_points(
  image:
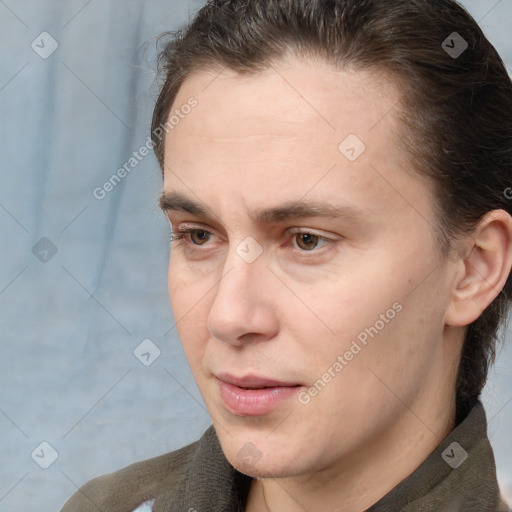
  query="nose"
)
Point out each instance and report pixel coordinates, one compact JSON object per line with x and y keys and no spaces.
{"x":243,"y":308}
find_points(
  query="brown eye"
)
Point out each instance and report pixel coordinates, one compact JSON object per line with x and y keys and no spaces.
{"x":200,"y":235}
{"x":307,"y":241}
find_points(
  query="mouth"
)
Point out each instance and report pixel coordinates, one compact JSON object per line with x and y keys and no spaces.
{"x":254,"y":395}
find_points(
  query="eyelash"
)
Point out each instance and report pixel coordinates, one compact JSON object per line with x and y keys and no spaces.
{"x":181,"y":238}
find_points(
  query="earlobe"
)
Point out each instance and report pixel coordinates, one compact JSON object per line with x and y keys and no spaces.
{"x":483,"y":272}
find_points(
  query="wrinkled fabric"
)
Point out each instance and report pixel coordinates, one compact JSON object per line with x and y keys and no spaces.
{"x":198,"y":476}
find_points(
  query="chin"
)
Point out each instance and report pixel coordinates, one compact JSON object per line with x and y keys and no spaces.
{"x":263,"y":470}
{"x":264,"y":462}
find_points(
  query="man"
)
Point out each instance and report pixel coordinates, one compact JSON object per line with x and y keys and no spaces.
{"x":341,"y":250}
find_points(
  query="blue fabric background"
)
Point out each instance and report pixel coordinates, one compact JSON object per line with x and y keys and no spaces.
{"x":70,"y":323}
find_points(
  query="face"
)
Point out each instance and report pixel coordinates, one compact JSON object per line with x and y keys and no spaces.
{"x":340,"y":315}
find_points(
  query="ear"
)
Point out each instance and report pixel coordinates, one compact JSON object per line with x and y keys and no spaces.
{"x":483,"y":272}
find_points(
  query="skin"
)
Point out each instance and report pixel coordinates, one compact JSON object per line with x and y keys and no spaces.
{"x":259,"y":141}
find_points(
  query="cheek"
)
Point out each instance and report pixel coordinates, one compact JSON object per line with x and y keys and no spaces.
{"x":188,"y":301}
{"x":379,"y":317}
{"x":354,"y":304}
{"x":185,"y":288}
{"x":370,"y":380}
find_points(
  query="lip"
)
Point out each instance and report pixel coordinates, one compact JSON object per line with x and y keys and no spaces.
{"x":241,"y":397}
{"x":254,"y":381}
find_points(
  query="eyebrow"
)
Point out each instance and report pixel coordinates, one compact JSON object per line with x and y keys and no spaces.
{"x":177,"y":202}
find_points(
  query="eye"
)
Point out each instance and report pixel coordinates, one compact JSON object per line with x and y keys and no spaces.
{"x":309,"y":241}
{"x":201,"y":235}
{"x":306,"y":241}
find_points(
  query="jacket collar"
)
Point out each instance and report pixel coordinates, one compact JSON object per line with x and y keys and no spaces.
{"x":459,"y":475}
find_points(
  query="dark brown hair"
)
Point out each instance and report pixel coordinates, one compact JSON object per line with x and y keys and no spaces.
{"x":455,"y":109}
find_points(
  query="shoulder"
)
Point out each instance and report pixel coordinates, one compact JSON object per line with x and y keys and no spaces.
{"x":125,"y":489}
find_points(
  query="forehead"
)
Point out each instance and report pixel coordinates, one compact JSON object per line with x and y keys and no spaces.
{"x":298,"y":128}
{"x":290,"y":91}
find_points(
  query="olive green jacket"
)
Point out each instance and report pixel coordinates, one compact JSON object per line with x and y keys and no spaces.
{"x":199,"y":478}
